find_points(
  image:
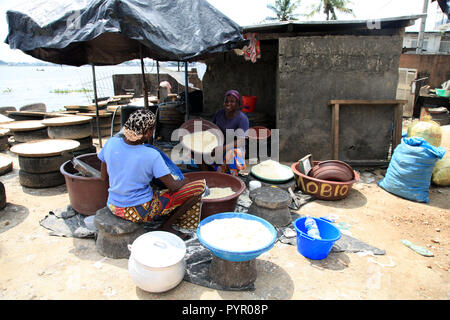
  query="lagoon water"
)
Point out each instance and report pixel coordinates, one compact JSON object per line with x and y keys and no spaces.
{"x":21,"y":85}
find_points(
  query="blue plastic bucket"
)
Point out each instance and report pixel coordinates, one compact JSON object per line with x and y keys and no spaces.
{"x":314,"y":248}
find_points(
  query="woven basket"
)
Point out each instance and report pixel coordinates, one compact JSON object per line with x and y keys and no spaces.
{"x":191,"y":218}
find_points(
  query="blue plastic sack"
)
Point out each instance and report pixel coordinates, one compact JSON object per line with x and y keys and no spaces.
{"x":410,"y":169}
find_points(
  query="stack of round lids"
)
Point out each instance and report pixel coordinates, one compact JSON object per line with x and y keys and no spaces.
{"x":45,"y":148}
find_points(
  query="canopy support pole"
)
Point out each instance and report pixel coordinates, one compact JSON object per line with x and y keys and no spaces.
{"x":96,"y":107}
{"x":186,"y":89}
{"x":157,"y":75}
{"x":144,"y":80}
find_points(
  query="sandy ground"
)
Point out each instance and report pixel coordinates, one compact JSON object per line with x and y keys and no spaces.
{"x":36,"y":265}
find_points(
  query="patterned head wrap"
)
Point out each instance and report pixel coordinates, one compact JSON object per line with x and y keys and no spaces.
{"x":138,"y":123}
{"x":235,"y":94}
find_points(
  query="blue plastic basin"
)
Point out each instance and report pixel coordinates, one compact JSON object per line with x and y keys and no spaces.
{"x":316,"y":249}
{"x":236,"y":255}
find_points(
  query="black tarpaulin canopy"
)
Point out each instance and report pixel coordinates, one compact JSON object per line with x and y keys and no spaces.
{"x":109,"y":32}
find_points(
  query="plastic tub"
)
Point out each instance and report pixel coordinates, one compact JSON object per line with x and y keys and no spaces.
{"x":322,"y":189}
{"x":316,"y":249}
{"x":237,"y":255}
{"x":86,"y":194}
{"x":249,"y":103}
{"x":218,"y":180}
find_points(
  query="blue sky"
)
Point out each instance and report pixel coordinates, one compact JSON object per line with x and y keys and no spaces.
{"x":249,"y":12}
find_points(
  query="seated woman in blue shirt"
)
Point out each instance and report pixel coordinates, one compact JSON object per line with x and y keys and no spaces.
{"x":230,"y":117}
{"x":130,"y":166}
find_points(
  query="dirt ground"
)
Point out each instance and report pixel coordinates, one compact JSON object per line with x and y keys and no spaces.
{"x":36,"y":265}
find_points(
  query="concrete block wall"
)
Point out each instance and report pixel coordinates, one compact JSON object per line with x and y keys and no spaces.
{"x":315,"y":69}
{"x":229,"y":71}
{"x":124,"y":82}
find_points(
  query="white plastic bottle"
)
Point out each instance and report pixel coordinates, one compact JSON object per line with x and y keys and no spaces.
{"x":311,"y":227}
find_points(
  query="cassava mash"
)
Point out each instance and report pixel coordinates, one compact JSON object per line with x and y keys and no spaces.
{"x":271,"y":169}
{"x":216,"y":193}
{"x":202,"y":141}
{"x":236,"y":234}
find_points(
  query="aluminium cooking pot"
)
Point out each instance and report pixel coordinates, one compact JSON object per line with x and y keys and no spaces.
{"x":156,"y":262}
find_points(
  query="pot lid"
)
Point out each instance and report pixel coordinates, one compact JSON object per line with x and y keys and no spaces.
{"x":158,"y":249}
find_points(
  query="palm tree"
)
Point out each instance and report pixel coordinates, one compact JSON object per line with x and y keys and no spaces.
{"x":330,"y":7}
{"x":284,"y":9}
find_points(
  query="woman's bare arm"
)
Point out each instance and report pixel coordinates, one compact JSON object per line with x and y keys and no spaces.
{"x":172,"y":184}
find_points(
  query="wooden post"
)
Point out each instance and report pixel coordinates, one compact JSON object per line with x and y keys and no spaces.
{"x":158,"y":80}
{"x":96,"y":107}
{"x":397,"y":132}
{"x":186,"y":90}
{"x":144,"y":81}
{"x":335,"y":132}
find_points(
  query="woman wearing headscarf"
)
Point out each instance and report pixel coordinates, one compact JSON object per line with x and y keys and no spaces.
{"x":231,"y":117}
{"x":130,"y":166}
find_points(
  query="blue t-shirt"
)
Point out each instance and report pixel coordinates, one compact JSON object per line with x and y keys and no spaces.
{"x":131,"y":169}
{"x":240,"y":121}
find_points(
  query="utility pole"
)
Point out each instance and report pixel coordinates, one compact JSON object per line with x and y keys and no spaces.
{"x":422,"y":28}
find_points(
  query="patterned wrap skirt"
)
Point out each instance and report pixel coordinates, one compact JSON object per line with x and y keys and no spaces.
{"x":234,"y":162}
{"x":162,"y":203}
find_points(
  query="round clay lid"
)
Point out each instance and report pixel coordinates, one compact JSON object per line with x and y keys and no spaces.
{"x":26,"y":125}
{"x":44,"y":148}
{"x":4,"y":132}
{"x":66,"y":121}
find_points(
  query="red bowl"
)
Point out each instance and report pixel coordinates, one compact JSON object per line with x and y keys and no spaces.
{"x":259,"y":133}
{"x":322,"y":189}
{"x":332,"y":170}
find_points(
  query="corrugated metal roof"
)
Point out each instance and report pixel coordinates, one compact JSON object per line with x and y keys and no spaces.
{"x":333,"y":26}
